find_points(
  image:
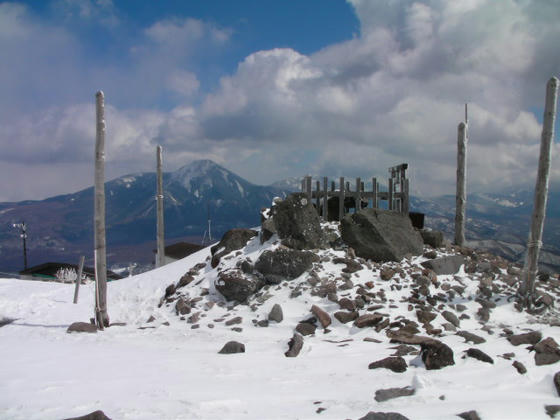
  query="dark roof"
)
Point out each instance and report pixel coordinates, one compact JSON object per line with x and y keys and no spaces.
{"x":181,"y":250}
{"x":50,"y":269}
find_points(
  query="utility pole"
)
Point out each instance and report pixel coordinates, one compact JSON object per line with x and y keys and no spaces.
{"x":160,"y":255}
{"x":534,"y":243}
{"x":23,"y":236}
{"x":100,"y":245}
{"x":461,"y":196}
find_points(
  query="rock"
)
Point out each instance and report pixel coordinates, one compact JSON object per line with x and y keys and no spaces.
{"x":383,"y":416}
{"x":386,"y":273}
{"x":425,"y":317}
{"x":479,"y":355}
{"x":400,"y":337}
{"x":276,"y":314}
{"x":473,"y":338}
{"x":469,"y":415}
{"x":532,"y":337}
{"x":323,"y":317}
{"x":82,"y":327}
{"x":556,"y":381}
{"x":552,"y":410}
{"x":294,"y":346}
{"x":452,"y":318}
{"x":185,"y":280}
{"x":351,"y":265}
{"x":285,"y":264}
{"x":347,"y":304}
{"x":546,"y":352}
{"x":96,"y":415}
{"x":434,"y":238}
{"x":234,"y":285}
{"x":522,"y":369}
{"x":232,"y":240}
{"x":306,"y":328}
{"x":297,"y":223}
{"x":234,"y":321}
{"x":483,"y":314}
{"x":445,"y":265}
{"x":182,"y":307}
{"x":436,"y":355}
{"x":403,"y":350}
{"x":345,"y":317}
{"x":169,"y":290}
{"x":390,"y":393}
{"x":368,"y":320}
{"x":381,"y":235}
{"x":394,"y":363}
{"x":232,"y":347}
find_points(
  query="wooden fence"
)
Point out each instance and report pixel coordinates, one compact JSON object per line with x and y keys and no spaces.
{"x":397,"y":195}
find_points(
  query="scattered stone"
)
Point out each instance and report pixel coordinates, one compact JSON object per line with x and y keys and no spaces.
{"x":552,"y":410}
{"x":532,"y":337}
{"x":232,"y":240}
{"x":445,"y":265}
{"x":294,"y":346}
{"x":82,"y":327}
{"x":394,"y":363}
{"x":403,"y":350}
{"x":436,"y":355}
{"x":434,"y":238}
{"x":372,"y":340}
{"x":460,"y":307}
{"x":95,"y":415}
{"x":521,"y":368}
{"x":6,"y":321}
{"x":345,"y":317}
{"x":546,"y":352}
{"x":263,"y":323}
{"x":194,"y":318}
{"x":323,"y":317}
{"x":284,"y":264}
{"x":170,"y":290}
{"x":380,"y":235}
{"x":390,"y":393}
{"x":347,"y":304}
{"x":276,"y":314}
{"x":451,"y":317}
{"x":479,"y":355}
{"x":237,"y":329}
{"x":234,"y":321}
{"x":483,"y":314}
{"x":368,"y":320}
{"x":473,"y":338}
{"x":469,"y":415}
{"x":386,"y":273}
{"x":232,"y":347}
{"x":383,"y":416}
{"x":351,"y":265}
{"x":234,"y":285}
{"x":425,"y":316}
{"x":306,"y":328}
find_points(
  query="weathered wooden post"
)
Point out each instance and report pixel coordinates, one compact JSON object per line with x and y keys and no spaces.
{"x":391,"y":196}
{"x":160,"y":256}
{"x":325,"y":199}
{"x":375,"y":202}
{"x":341,"y":199}
{"x":308,"y":190}
{"x":101,"y":315}
{"x":318,"y":198}
{"x":527,"y":289}
{"x":358,"y":199}
{"x":461,"y":197}
{"x":79,"y":278}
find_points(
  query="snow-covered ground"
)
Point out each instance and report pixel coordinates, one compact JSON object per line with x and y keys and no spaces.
{"x":175,"y":372}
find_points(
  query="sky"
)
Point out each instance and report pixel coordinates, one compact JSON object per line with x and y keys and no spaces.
{"x":276,"y":89}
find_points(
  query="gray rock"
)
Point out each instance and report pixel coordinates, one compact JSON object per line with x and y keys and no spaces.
{"x":82,"y":327}
{"x":532,"y":337}
{"x":323,"y":317}
{"x":390,"y":393}
{"x":232,"y":240}
{"x":394,"y":363}
{"x":6,"y":321}
{"x":552,"y":410}
{"x":479,"y":355}
{"x":436,"y":355}
{"x":451,"y":317}
{"x":276,"y":314}
{"x":351,"y":265}
{"x":383,"y":416}
{"x":556,"y":381}
{"x":434,"y":238}
{"x":473,"y":338}
{"x":286,"y":264}
{"x":306,"y":328}
{"x":234,"y":321}
{"x":297,"y":223}
{"x":445,"y":265}
{"x":294,"y":346}
{"x":425,"y":316}
{"x":169,"y":290}
{"x":184,"y":280}
{"x":234,"y":285}
{"x":232,"y":347}
{"x":522,"y":369}
{"x":345,"y":317}
{"x":381,"y":235}
{"x":182,"y":307}
{"x":368,"y":320}
{"x":347,"y":304}
{"x":469,"y":415}
{"x":547,"y":352}
{"x":95,"y":415}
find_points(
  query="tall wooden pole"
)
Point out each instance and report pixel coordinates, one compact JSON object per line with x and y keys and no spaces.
{"x":101,"y":315}
{"x":461,"y":197}
{"x":79,"y":278}
{"x":160,"y":256}
{"x":541,"y":195}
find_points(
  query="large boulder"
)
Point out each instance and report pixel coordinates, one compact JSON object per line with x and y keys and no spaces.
{"x":381,"y":235}
{"x":284,"y":264}
{"x":297,"y":223}
{"x":234,"y":285}
{"x":436,"y":355}
{"x":232,"y":240}
{"x":445,"y":265}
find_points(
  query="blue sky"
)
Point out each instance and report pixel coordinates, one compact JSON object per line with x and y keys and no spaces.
{"x":273,"y":89}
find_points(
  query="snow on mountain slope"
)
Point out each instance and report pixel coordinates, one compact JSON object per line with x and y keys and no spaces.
{"x":169,"y":369}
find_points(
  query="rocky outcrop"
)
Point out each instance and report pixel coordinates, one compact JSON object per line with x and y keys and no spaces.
{"x":381,"y":235}
{"x":232,"y":240}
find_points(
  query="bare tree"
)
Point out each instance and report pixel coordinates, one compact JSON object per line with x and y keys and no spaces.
{"x":160,"y":256}
{"x":527,"y":289}
{"x":101,"y":315}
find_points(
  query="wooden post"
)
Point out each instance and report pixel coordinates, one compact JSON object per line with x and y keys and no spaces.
{"x":358,"y":198}
{"x":391,"y":195}
{"x":333,"y":187}
{"x":325,"y":199}
{"x":406,"y":199}
{"x":341,"y":199}
{"x":308,"y":188}
{"x":541,"y":195}
{"x":461,"y":197}
{"x":318,"y":198}
{"x":303,"y":184}
{"x":101,"y":315}
{"x":375,"y":190}
{"x":79,"y":278}
{"x":160,"y":235}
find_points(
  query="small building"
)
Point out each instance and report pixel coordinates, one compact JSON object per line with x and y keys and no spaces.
{"x":49,"y":271}
{"x":179,"y":250}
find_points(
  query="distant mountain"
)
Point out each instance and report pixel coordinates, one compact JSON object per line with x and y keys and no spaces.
{"x":62,"y":228}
